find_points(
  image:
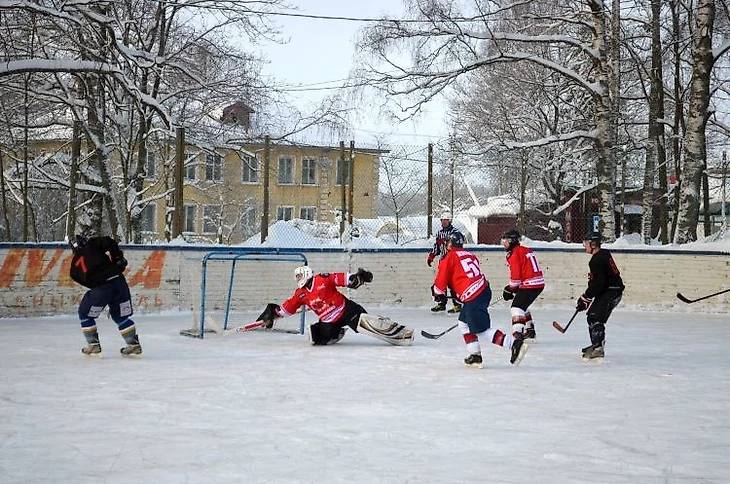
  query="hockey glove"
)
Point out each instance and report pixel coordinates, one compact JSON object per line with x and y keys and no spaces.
{"x":430,"y":258}
{"x":121,"y":262}
{"x":439,"y":298}
{"x":507,"y":293}
{"x":269,"y":314}
{"x":583,"y":303}
{"x":359,"y":278}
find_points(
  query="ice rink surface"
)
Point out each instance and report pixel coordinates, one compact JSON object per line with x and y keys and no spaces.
{"x":268,"y":408}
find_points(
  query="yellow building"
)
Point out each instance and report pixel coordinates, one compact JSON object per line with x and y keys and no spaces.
{"x":223,"y":189}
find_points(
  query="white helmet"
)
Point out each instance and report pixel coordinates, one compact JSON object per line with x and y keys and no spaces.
{"x":446,"y":215}
{"x":302,"y":275}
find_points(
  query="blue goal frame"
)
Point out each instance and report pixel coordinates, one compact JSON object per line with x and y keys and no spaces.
{"x":234,"y":257}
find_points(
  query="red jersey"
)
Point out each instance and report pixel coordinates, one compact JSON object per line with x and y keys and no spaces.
{"x":524,"y":271}
{"x":323,"y":298}
{"x":460,"y":270}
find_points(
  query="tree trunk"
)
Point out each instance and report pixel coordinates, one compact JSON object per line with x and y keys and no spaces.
{"x":606,"y":120}
{"x":656,"y":153}
{"x":694,"y":139}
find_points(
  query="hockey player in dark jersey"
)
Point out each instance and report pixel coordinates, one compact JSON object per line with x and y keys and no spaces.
{"x":439,"y":249}
{"x":603,"y":294}
{"x":98,"y":264}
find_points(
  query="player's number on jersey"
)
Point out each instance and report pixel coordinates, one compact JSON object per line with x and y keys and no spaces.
{"x":471,"y":267}
{"x":533,"y":262}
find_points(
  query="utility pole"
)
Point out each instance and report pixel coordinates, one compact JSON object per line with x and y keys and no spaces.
{"x":724,"y":199}
{"x":178,"y":218}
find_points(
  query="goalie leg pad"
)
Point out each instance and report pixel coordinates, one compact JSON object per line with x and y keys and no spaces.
{"x":385,"y":329}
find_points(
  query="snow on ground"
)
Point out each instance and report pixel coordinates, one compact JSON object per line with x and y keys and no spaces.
{"x":268,"y":408}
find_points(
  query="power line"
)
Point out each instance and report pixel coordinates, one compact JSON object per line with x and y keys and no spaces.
{"x":362,"y":19}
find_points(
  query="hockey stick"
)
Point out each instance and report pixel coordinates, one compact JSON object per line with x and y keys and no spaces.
{"x":246,"y":327}
{"x":428,"y":335}
{"x":562,"y":329}
{"x":690,"y":301}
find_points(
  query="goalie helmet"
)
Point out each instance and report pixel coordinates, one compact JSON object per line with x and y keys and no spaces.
{"x":302,"y":274}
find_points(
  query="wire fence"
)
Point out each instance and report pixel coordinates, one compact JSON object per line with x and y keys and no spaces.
{"x":301,"y":195}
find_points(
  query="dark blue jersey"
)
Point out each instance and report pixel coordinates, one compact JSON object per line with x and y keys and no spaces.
{"x":95,"y":262}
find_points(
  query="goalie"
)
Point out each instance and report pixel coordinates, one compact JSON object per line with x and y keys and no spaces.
{"x":335,"y":311}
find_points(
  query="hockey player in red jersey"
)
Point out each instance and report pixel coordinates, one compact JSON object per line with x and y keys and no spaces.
{"x":460,"y":270}
{"x":335,"y":311}
{"x":526,"y":282}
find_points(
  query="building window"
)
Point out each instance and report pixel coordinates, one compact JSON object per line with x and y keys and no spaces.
{"x":284,"y":212}
{"x":150,"y":167}
{"x":343,"y":170}
{"x":189,"y":222}
{"x":191,"y":163}
{"x":286,"y":170}
{"x":308,"y":213}
{"x":147,"y":221}
{"x":211,"y":218}
{"x":250,"y":168}
{"x":309,"y":171}
{"x":213,"y":166}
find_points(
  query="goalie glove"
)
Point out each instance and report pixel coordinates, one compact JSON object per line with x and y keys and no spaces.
{"x":269,"y":315}
{"x":359,"y":278}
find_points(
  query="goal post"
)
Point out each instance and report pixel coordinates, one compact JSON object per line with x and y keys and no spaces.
{"x":235,"y":287}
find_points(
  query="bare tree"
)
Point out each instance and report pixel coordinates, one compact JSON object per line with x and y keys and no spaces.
{"x":447,"y":43}
{"x":695,"y":146}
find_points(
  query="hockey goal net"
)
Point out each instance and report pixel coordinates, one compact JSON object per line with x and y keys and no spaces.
{"x":233,"y":287}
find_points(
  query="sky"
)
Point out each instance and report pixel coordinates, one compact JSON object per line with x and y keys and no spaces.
{"x":321,"y":53}
{"x":262,"y":407}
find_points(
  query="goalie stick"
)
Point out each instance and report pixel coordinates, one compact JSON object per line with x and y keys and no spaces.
{"x":562,"y":329}
{"x":246,"y":327}
{"x":690,"y":301}
{"x":428,"y":335}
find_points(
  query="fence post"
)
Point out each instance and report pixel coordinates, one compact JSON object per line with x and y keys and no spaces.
{"x":265,"y":176}
{"x":429,"y":198}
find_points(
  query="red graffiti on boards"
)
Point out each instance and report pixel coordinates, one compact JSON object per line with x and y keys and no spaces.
{"x":44,"y":266}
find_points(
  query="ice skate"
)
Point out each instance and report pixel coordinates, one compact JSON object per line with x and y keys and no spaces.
{"x":530,"y":335}
{"x":92,"y":349}
{"x":438,"y":308}
{"x":474,"y":361}
{"x":593,"y":352}
{"x":455,"y":309}
{"x":133,"y":348}
{"x":519,"y":348}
